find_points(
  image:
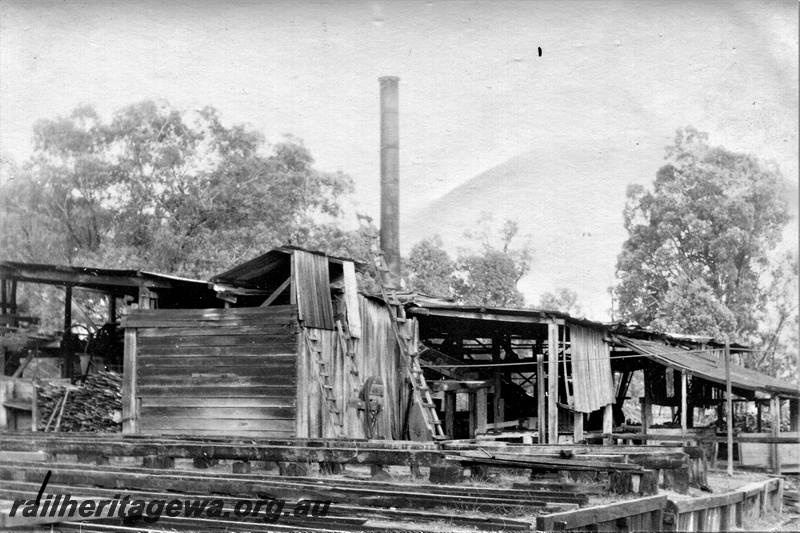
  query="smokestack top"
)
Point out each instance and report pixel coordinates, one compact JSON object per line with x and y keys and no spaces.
{"x":389,"y":79}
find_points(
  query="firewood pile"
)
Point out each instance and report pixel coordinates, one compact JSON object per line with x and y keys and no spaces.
{"x":95,"y":406}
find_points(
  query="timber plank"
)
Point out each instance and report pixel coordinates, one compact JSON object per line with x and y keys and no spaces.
{"x":203,"y":401}
{"x":219,"y":351}
{"x":245,"y":451}
{"x":225,"y":380}
{"x":231,"y":360}
{"x":273,"y":310}
{"x":181,"y":423}
{"x":217,"y":391}
{"x":597,"y":515}
{"x":188,"y":321}
{"x":224,"y":413}
{"x":243,"y":433}
{"x":204,"y":330}
{"x":522,"y":460}
{"x":190,"y":371}
{"x":218,"y":340}
{"x":705,"y":502}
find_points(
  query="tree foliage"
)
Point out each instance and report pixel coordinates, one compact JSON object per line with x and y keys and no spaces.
{"x":696,"y":257}
{"x":563,"y":299}
{"x":429,"y":269}
{"x":170,"y":191}
{"x":486,"y":276}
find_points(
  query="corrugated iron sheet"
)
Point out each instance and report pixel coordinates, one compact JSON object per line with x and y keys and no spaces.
{"x":593,"y":383}
{"x":706,"y":366}
{"x":312,"y":286}
{"x":351,"y":300}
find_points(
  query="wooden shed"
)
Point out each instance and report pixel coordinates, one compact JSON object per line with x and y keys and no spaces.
{"x":289,"y":356}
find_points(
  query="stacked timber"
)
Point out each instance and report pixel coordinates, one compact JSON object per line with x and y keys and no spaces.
{"x":95,"y":406}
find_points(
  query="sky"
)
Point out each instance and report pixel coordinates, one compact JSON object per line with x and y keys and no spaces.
{"x":474,"y":92}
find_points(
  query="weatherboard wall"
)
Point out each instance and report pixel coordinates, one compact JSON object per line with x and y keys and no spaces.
{"x":211,"y":371}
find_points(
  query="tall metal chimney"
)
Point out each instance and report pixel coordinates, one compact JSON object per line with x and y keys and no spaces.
{"x":390,"y":175}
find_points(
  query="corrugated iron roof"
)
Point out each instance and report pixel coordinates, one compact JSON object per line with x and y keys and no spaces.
{"x":507,"y":313}
{"x":705,"y":365}
{"x":269,"y":270}
{"x":103,"y":279}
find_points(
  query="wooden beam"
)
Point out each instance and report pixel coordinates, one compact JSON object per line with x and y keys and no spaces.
{"x":89,"y":280}
{"x":277,"y":292}
{"x":448,"y":385}
{"x":794,"y":414}
{"x":13,"y":297}
{"x":608,"y":423}
{"x":481,"y":410}
{"x":596,"y":515}
{"x":647,"y":407}
{"x":472,"y":414}
{"x":497,"y":414}
{"x":523,"y":319}
{"x":112,"y":308}
{"x":4,"y":305}
{"x":552,"y":384}
{"x":449,"y":414}
{"x":577,"y":427}
{"x":67,"y":309}
{"x":684,"y":401}
{"x":129,"y":403}
{"x":540,"y":386}
{"x":775,"y":415}
{"x":729,"y":406}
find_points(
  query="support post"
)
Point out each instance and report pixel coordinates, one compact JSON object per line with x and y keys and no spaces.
{"x":647,"y":407}
{"x":729,"y":406}
{"x":13,"y":301}
{"x":112,"y":308}
{"x":794,"y":414}
{"x":481,"y":409}
{"x":540,"y":385}
{"x":67,"y":357}
{"x":577,"y":427}
{"x":4,"y":307}
{"x":450,"y":413}
{"x":497,"y":413}
{"x":684,"y":402}
{"x":473,"y":414}
{"x":608,"y":424}
{"x":552,"y":383}
{"x":759,"y":414}
{"x":775,"y":415}
{"x":130,"y":407}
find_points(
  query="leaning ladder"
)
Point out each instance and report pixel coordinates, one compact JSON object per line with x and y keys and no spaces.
{"x":324,"y":374}
{"x":408,"y":348}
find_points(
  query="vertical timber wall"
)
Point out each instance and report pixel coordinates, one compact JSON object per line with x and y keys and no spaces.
{"x":376,"y":355}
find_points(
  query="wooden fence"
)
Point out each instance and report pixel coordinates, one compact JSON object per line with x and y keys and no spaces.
{"x":719,"y":512}
{"x":643,"y":514}
{"x":724,"y":512}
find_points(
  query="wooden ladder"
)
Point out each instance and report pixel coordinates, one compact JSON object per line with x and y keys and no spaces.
{"x":408,"y":348}
{"x":347,"y":345}
{"x":326,"y":385}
